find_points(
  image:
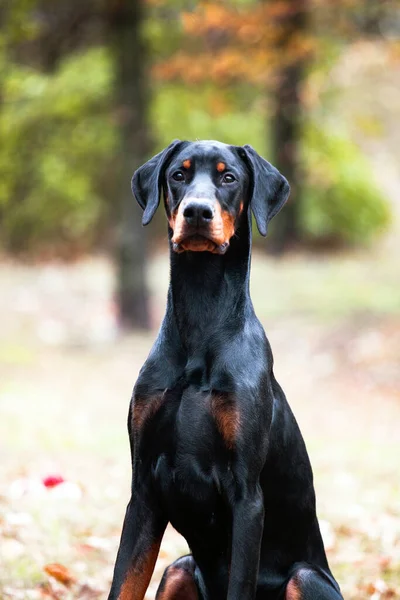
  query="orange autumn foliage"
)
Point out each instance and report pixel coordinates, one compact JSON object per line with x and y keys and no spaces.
{"x":228,"y":45}
{"x":223,"y":43}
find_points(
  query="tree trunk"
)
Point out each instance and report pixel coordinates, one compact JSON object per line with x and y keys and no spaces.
{"x":287,"y":124}
{"x":125,"y":19}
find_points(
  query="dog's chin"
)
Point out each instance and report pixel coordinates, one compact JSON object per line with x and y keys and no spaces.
{"x":199,"y":243}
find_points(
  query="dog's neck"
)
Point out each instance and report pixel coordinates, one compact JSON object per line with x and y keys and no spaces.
{"x":209,"y":292}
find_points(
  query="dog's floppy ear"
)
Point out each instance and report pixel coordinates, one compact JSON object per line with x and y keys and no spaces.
{"x":269,"y":191}
{"x":147,"y":181}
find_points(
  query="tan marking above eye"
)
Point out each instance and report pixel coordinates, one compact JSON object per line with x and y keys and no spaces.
{"x":187,"y":163}
{"x":221,"y":166}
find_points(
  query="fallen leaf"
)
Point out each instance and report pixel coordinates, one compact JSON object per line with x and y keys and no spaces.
{"x":53,"y":480}
{"x":60,"y":573}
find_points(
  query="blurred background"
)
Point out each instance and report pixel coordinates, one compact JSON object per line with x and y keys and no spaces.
{"x":91,"y":89}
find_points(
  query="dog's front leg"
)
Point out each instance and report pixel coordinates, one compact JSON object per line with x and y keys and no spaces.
{"x":141,"y":537}
{"x":248,"y":522}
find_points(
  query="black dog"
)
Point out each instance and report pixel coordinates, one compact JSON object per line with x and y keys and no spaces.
{"x":216,"y":450}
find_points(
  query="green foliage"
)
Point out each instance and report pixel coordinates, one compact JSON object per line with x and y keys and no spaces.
{"x":341,"y":202}
{"x":55,"y":136}
{"x":58,"y":140}
{"x":15,"y":26}
{"x":204,"y":113}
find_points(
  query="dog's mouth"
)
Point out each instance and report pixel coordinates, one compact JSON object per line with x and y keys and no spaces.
{"x":199,"y":243}
{"x":204,"y":233}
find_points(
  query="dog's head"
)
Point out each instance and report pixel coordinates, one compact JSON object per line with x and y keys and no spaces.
{"x":207,"y":186}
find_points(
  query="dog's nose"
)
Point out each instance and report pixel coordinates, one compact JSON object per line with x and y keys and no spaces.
{"x":198,"y":212}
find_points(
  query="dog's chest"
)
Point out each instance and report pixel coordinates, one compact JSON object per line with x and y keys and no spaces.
{"x":190,"y":437}
{"x":189,"y":422}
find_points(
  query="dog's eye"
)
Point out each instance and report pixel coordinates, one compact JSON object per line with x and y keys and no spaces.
{"x":228,"y":178}
{"x":178,"y":176}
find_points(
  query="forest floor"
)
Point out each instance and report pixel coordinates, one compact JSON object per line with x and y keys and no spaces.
{"x":65,"y":382}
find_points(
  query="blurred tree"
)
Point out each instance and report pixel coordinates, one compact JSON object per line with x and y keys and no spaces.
{"x":60,"y":95}
{"x":131,"y":105}
{"x":287,"y":121}
{"x":54,"y":130}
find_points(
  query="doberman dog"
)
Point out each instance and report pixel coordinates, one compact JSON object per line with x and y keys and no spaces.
{"x":216,"y":450}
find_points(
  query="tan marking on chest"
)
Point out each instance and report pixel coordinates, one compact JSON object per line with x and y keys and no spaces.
{"x":144,"y":409}
{"x":227,"y":417}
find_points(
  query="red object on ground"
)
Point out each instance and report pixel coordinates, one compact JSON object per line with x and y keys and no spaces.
{"x":53,"y":480}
